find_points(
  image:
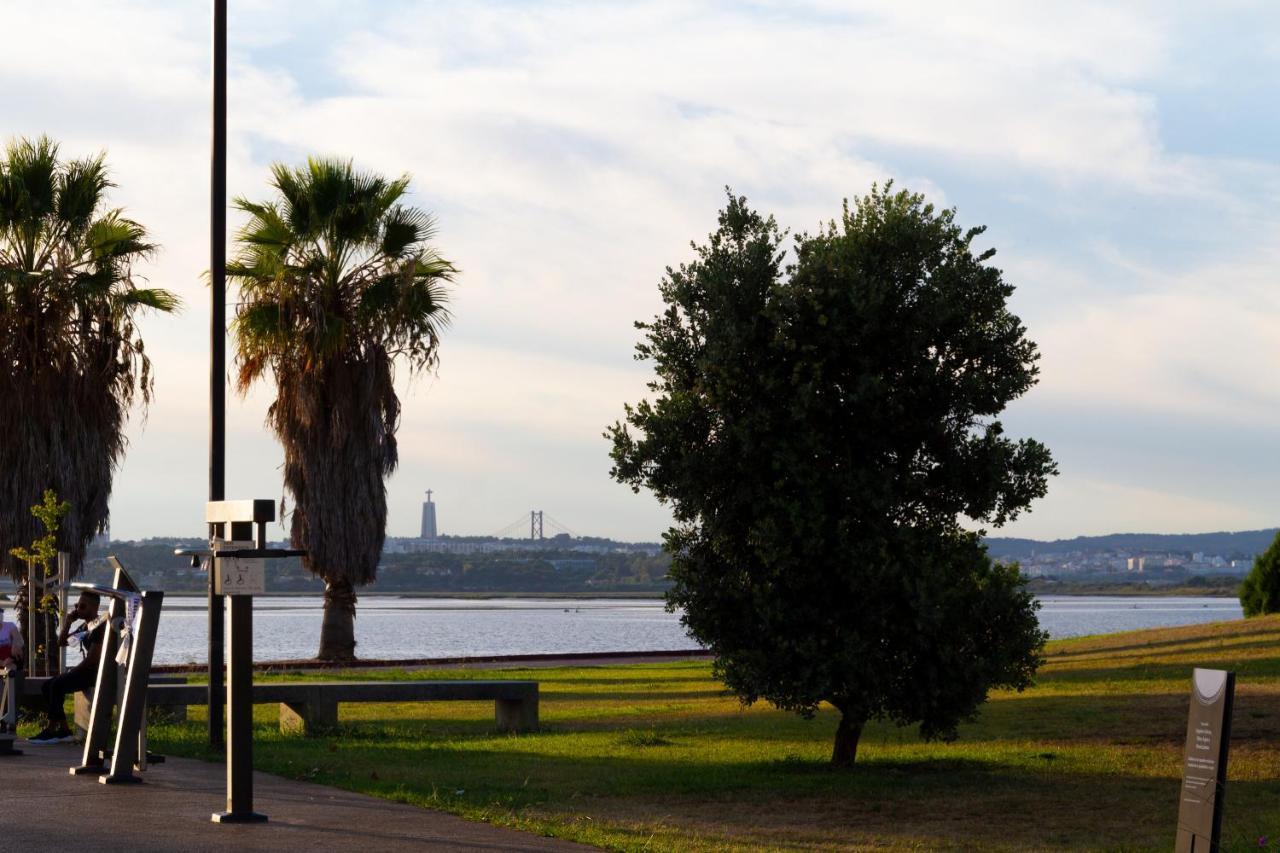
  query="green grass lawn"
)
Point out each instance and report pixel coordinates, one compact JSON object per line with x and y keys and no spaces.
{"x":659,"y":757}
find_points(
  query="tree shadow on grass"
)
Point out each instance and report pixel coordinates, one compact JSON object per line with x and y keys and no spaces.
{"x":1259,"y":668}
{"x":789,"y":800}
{"x":1117,"y":718}
{"x":1216,"y":642}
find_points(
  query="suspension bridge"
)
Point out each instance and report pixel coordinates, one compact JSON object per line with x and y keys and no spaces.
{"x":536,"y":524}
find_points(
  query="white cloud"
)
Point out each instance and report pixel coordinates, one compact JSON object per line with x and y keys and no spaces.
{"x":1194,"y":343}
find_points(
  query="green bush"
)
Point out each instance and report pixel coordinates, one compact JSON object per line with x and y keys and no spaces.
{"x":1260,"y":592}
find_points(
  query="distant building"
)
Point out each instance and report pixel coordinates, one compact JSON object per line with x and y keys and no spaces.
{"x":1137,"y":564}
{"x":429,"y":519}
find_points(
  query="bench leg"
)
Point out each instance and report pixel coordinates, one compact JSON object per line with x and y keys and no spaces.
{"x":304,"y":718}
{"x":84,"y":707}
{"x":516,"y":715}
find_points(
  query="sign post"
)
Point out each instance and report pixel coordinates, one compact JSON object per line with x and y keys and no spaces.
{"x":238,"y":567}
{"x":1204,"y":763}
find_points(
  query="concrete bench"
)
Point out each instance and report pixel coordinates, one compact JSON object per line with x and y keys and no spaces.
{"x":311,"y":706}
{"x":33,"y":699}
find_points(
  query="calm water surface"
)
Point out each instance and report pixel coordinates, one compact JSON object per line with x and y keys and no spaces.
{"x":1078,"y":615}
{"x":390,"y":627}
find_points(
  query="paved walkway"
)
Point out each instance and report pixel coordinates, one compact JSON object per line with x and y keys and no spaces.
{"x":43,"y":807}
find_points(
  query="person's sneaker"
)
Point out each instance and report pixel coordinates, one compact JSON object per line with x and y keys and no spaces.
{"x":51,"y":735}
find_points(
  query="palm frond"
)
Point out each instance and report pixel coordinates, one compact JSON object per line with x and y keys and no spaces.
{"x":403,"y":228}
{"x":32,"y":169}
{"x":114,"y":237}
{"x":80,"y":191}
{"x":157,"y":299}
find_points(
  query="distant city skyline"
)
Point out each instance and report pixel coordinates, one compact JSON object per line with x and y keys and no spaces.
{"x":1121,"y":156}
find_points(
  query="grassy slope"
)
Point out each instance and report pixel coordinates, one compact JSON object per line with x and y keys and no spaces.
{"x":658,"y":757}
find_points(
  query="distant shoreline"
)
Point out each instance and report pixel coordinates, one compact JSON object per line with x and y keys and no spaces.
{"x":1128,"y":590}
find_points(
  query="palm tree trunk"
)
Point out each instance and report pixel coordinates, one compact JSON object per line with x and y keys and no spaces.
{"x":848,"y":733}
{"x":338,"y":630}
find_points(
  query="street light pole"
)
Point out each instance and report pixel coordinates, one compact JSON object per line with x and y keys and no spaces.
{"x":217,"y":349}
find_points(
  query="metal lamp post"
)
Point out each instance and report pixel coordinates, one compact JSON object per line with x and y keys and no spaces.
{"x":217,"y":347}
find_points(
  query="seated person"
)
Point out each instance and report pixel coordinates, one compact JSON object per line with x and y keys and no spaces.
{"x":11,"y":648}
{"x":82,"y":676}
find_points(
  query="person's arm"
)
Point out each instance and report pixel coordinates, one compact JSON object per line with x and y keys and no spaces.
{"x":65,"y":630}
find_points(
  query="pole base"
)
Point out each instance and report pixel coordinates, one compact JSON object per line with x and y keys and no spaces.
{"x":119,"y":780}
{"x":87,"y":770}
{"x":238,"y":817}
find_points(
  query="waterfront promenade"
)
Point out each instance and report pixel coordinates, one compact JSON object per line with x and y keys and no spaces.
{"x":45,"y":808}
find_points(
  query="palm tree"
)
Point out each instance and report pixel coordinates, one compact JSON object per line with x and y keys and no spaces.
{"x":337,"y":281}
{"x":71,"y":358}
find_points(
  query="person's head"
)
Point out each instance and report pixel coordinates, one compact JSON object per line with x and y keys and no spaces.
{"x":86,"y":606}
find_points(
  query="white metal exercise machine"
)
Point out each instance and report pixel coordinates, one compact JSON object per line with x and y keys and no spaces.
{"x":129,"y":641}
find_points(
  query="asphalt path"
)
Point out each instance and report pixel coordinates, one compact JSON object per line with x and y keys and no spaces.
{"x":44,"y":808}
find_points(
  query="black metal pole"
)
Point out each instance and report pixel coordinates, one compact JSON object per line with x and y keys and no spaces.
{"x":217,"y":346}
{"x":240,"y":717}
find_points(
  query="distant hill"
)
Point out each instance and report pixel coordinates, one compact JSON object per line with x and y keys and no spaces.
{"x":1238,"y":545}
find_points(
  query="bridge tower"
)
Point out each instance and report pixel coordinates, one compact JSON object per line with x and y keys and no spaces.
{"x":535,"y":524}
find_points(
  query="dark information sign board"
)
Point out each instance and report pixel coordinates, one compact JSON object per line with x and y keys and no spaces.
{"x":1204,"y":761}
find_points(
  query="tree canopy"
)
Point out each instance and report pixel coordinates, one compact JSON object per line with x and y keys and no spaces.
{"x":72,"y":360}
{"x":1260,"y":592}
{"x":820,"y":430}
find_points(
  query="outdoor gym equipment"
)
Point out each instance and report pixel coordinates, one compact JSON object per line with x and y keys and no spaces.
{"x":129,"y":639}
{"x":10,"y":693}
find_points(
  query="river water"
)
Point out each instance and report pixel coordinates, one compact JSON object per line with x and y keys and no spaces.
{"x":388,"y":627}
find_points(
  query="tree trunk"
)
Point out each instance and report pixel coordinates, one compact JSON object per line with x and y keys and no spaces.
{"x":338,"y":630}
{"x":848,"y":733}
{"x":20,"y":616}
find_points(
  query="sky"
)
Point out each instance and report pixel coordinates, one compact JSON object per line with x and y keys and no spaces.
{"x":1123,"y":156}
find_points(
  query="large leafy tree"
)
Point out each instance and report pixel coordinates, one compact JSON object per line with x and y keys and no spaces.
{"x":820,"y":431}
{"x":1260,"y":592}
{"x":71,"y":358}
{"x":337,"y":281}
